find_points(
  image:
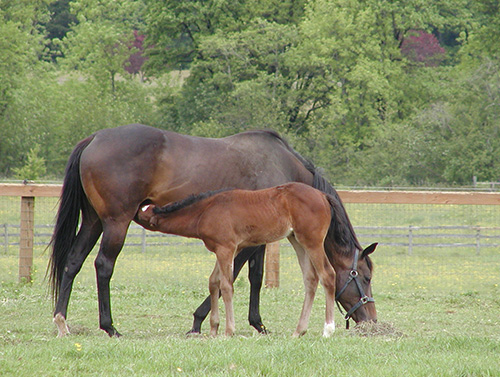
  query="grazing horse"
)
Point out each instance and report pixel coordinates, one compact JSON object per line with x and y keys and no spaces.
{"x":229,"y":221}
{"x":113,"y":173}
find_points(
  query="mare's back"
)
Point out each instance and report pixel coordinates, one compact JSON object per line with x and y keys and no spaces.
{"x":134,"y":163}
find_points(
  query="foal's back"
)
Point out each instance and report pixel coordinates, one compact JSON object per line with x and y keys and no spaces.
{"x":246,"y":218}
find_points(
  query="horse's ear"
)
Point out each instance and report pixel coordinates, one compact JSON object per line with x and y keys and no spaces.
{"x":370,"y":249}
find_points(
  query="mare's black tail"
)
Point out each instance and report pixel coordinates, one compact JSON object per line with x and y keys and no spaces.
{"x":70,"y":205}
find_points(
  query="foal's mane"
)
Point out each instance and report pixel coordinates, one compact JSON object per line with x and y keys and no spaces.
{"x":341,"y":232}
{"x":190,"y":200}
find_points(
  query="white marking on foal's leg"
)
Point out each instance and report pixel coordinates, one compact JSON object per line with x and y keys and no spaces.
{"x":329,"y":329}
{"x":62,"y":327}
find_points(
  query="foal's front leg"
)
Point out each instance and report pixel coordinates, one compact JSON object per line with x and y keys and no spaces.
{"x":327,"y":277}
{"x":310,"y":279}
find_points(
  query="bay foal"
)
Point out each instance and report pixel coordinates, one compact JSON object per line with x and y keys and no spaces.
{"x":228,"y":221}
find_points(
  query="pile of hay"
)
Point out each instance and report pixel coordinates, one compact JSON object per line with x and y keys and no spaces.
{"x":376,"y":329}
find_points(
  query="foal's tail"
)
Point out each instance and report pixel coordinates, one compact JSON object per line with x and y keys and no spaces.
{"x":71,"y":203}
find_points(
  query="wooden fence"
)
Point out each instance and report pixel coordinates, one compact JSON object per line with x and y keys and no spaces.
{"x":28,"y":193}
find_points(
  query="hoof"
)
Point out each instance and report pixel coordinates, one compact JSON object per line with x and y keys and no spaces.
{"x":263,"y":330}
{"x":193,"y":332}
{"x":329,"y":330}
{"x":298,"y":334}
{"x":62,"y":327}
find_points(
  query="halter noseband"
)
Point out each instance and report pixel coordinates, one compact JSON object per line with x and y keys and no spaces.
{"x":364,"y":299}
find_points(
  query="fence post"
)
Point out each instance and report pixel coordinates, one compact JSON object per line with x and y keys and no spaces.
{"x":273,"y":265}
{"x":410,"y":240}
{"x":143,"y":238}
{"x":26,"y":238}
{"x":478,"y":240}
{"x":6,"y":237}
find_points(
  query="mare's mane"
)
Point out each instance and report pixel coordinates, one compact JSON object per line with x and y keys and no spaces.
{"x":341,"y":232}
{"x":190,"y":200}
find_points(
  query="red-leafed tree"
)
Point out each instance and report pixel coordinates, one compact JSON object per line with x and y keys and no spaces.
{"x":137,"y":58}
{"x":423,"y":47}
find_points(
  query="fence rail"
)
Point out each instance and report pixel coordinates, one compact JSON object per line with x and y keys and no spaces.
{"x":403,"y":236}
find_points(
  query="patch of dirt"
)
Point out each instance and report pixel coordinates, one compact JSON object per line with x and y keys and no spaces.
{"x":79,"y":330}
{"x":376,"y":329}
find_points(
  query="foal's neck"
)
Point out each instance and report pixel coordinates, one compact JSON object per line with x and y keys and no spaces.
{"x":183,"y":222}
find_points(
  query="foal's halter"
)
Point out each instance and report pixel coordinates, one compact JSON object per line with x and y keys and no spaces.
{"x":364,"y":299}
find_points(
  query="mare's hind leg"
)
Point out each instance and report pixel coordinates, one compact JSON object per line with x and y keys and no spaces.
{"x":310,"y":279}
{"x":255,"y":276}
{"x":111,"y":244}
{"x":87,"y":237}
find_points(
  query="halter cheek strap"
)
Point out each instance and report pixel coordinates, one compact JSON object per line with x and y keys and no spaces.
{"x":364,"y":299}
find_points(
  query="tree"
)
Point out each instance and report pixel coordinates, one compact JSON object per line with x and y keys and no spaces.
{"x":423,"y":48}
{"x":175,"y":28}
{"x":34,"y":168}
{"x":100,"y":44}
{"x":241,"y":74}
{"x":483,"y":37}
{"x":19,"y":43}
{"x":136,"y":60}
{"x":58,"y":26}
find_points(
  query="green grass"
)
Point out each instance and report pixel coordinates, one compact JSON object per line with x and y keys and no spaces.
{"x":443,"y":304}
{"x":445,"y":316}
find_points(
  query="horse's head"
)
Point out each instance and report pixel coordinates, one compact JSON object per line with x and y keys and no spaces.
{"x":146,"y":217}
{"x":354,"y":290}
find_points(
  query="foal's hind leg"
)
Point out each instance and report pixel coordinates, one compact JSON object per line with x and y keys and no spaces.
{"x":87,"y":237}
{"x":255,"y":257}
{"x":214,"y":289}
{"x":225,"y":282}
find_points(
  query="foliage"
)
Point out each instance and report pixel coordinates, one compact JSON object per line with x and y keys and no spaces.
{"x":424,"y":48}
{"x":34,"y":167}
{"x":376,"y":92}
{"x":137,"y":56}
{"x":100,"y":44}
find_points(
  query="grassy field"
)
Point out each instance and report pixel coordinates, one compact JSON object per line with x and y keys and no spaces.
{"x":438,"y":311}
{"x":441,"y":319}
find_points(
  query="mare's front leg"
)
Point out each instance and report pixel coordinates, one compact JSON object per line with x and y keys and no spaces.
{"x":111,"y":245}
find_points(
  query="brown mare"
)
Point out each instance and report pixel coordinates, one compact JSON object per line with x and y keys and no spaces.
{"x":229,"y":221}
{"x":111,"y":174}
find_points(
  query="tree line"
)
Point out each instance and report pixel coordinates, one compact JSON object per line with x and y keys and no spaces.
{"x":376,"y":92}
